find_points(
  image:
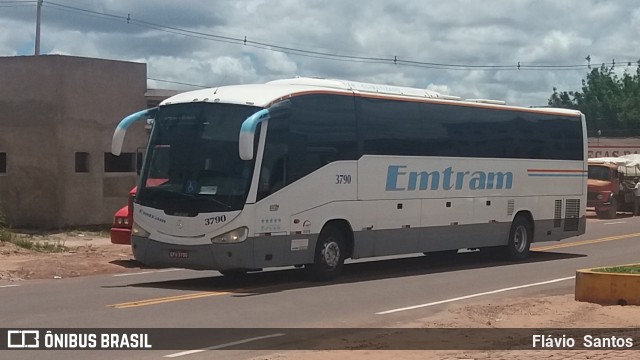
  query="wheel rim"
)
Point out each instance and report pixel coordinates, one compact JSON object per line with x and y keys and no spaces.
{"x":331,"y":254}
{"x":520,"y":239}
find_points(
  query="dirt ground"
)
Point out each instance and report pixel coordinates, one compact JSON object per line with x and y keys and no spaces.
{"x":90,"y":253}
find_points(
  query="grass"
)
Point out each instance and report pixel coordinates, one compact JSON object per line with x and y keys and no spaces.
{"x":6,"y":235}
{"x":46,"y":241}
{"x":80,"y":231}
{"x":40,"y":246}
{"x":27,"y":242}
{"x":626,"y":269}
{"x":95,"y":230}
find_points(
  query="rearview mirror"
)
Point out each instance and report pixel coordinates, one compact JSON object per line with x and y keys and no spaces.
{"x":121,"y":129}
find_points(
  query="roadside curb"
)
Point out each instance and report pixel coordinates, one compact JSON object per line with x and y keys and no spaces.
{"x":607,"y":288}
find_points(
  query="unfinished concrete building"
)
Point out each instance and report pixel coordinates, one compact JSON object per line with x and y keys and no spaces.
{"x":56,"y":124}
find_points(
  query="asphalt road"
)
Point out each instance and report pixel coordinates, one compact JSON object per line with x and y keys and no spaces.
{"x":375,"y":293}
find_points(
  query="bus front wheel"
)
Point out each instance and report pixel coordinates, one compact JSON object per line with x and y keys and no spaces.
{"x":329,"y":255}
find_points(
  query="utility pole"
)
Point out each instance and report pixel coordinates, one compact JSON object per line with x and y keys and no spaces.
{"x":37,"y":52}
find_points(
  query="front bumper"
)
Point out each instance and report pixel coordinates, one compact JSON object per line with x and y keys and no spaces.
{"x":199,"y":257}
{"x":120,"y":236}
{"x":599,"y":199}
{"x":252,"y":254}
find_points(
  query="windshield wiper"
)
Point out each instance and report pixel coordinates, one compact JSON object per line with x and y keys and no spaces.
{"x":179,"y":196}
{"x":187,"y":196}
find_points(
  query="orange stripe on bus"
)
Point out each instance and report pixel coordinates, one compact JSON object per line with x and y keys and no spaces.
{"x":555,"y":171}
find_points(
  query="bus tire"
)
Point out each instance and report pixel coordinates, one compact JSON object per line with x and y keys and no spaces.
{"x":329,"y":254}
{"x":520,"y":237}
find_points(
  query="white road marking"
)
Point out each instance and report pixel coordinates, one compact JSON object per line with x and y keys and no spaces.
{"x":615,"y":222}
{"x":216,"y":347}
{"x":7,"y":286}
{"x":474,"y":295}
{"x":147,"y":272}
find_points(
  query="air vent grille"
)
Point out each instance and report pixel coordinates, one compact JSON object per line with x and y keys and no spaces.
{"x":572,"y":215}
{"x":557,"y":215}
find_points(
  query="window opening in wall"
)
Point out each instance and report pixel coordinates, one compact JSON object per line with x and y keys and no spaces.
{"x":3,"y":162}
{"x":126,"y":162}
{"x":82,"y":162}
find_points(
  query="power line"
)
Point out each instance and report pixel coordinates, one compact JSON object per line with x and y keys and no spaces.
{"x":179,"y":83}
{"x":244,"y":41}
{"x":18,"y":3}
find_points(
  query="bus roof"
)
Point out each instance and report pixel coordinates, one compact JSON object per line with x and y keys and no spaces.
{"x":263,"y":95}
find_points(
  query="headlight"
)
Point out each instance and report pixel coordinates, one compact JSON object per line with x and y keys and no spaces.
{"x":119,"y":221}
{"x":136,"y":230}
{"x":126,"y":221}
{"x":233,"y":236}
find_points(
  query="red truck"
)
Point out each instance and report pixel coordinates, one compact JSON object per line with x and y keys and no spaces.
{"x":122,"y":221}
{"x":123,"y":218}
{"x":610,"y":186}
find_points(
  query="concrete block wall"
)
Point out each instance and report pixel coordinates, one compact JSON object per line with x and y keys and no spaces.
{"x":52,"y":107}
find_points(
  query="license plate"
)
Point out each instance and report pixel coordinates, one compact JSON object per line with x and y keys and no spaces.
{"x":180,"y":254}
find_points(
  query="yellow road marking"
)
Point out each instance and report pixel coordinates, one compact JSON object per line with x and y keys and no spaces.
{"x":169,"y":299}
{"x":585,"y":242}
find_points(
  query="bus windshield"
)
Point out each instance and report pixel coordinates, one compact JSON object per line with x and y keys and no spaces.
{"x":192,"y":163}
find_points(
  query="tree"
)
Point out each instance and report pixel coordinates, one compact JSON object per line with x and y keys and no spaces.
{"x":608,"y":101}
{"x":630,"y":100}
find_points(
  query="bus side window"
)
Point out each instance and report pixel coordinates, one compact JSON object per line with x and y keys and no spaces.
{"x":317,"y":130}
{"x":278,"y":175}
{"x":273,"y":168}
{"x":272,"y":176}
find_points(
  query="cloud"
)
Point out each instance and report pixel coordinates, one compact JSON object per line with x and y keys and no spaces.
{"x":464,"y":32}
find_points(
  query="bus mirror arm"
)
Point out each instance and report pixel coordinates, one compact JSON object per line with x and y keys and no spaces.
{"x":249,"y":126}
{"x":248,"y":132}
{"x":121,"y":129}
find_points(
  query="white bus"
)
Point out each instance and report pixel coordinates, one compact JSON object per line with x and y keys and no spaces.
{"x":312,"y":172}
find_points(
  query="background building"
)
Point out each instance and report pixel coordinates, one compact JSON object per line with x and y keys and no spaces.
{"x":57,"y":118}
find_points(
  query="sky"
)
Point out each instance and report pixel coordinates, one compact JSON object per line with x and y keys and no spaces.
{"x":469,"y":49}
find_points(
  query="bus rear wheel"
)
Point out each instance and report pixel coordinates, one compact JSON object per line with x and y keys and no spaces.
{"x":520,"y":237}
{"x":329,"y":255}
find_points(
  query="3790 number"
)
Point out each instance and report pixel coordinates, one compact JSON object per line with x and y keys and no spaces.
{"x":343,"y":179}
{"x":215,"y":220}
